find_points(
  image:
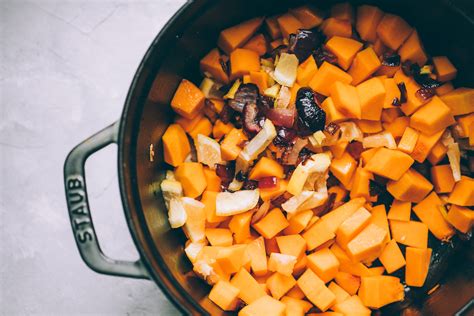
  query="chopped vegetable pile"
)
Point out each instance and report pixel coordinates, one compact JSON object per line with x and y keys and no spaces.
{"x":316,"y":160}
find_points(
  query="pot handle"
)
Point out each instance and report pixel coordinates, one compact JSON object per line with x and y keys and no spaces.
{"x":79,"y":210}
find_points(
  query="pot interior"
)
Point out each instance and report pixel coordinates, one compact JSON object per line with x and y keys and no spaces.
{"x":174,"y":55}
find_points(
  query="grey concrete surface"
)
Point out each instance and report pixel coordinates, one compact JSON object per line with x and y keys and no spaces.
{"x":65,"y":68}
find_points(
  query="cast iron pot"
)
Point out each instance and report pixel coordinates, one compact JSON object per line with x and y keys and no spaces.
{"x":446,"y":29}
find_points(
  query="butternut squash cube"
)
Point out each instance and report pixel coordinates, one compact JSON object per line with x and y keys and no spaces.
{"x":235,"y":36}
{"x":273,"y":223}
{"x":333,"y":115}
{"x":324,"y":263}
{"x":211,"y":64}
{"x":352,"y":306}
{"x":444,"y":68}
{"x":279,"y":284}
{"x":408,"y":141}
{"x":418,"y":263}
{"x":230,"y":148}
{"x":258,"y":257}
{"x":191,"y":176}
{"x":346,"y":99}
{"x":442,"y":178}
{"x":212,"y":180}
{"x":219,"y":236}
{"x":350,"y":283}
{"x":378,"y":291}
{"x":343,"y":168}
{"x":412,"y":50}
{"x":289,"y":24}
{"x":432,"y":117}
{"x":392,"y":257}
{"x":315,"y":290}
{"x":352,"y":226}
{"x":344,"y":49}
{"x":265,"y":305}
{"x":293,"y":245}
{"x":365,"y":64}
{"x":383,"y":161}
{"x":463,"y":192}
{"x":188,"y":124}
{"x":306,"y":71}
{"x":413,"y":234}
{"x":437,"y":153}
{"x":231,"y":259}
{"x":337,"y":216}
{"x":239,"y":225}
{"x":393,"y":31}
{"x":225,"y":295}
{"x":368,"y":18}
{"x":428,"y":211}
{"x":295,"y":306}
{"x":361,"y":183}
{"x":379,"y":218}
{"x":392,"y":92}
{"x":368,"y":242}
{"x":424,"y":145}
{"x":339,"y":292}
{"x":266,"y":167}
{"x":250,"y":291}
{"x":343,"y":11}
{"x":298,"y":222}
{"x":242,"y":62}
{"x":326,"y":76}
{"x":272,"y":27}
{"x":335,"y":27}
{"x":258,"y":44}
{"x":281,"y":263}
{"x":209,"y":200}
{"x":221,"y":129}
{"x":461,"y":218}
{"x":175,"y":145}
{"x":371,"y":95}
{"x":400,"y":211}
{"x":460,"y":100}
{"x":188,"y":100}
{"x":411,"y":187}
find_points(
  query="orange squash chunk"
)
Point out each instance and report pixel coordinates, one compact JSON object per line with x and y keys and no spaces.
{"x":378,"y":291}
{"x":191,"y":176}
{"x":266,"y":167}
{"x":242,"y":62}
{"x":273,"y":223}
{"x":393,"y":31}
{"x":326,"y":76}
{"x":368,"y":154}
{"x":258,"y":257}
{"x":367,"y":243}
{"x":369,"y":127}
{"x":411,"y":187}
{"x":341,"y":294}
{"x":344,"y":49}
{"x":465,"y":122}
{"x":240,"y":226}
{"x":352,"y":226}
{"x":279,"y":284}
{"x":437,"y":153}
{"x":175,"y":145}
{"x":259,"y":78}
{"x":352,"y":306}
{"x":392,"y":257}
{"x":383,"y":161}
{"x":413,"y":102}
{"x":209,"y":200}
{"x":350,"y":283}
{"x":389,"y":115}
{"x":424,"y":145}
{"x":230,"y":148}
{"x":368,"y":18}
{"x":211,"y":64}
{"x":332,"y":112}
{"x":372,"y":96}
{"x":307,"y":16}
{"x":225,"y":295}
{"x":293,"y":245}
{"x":343,"y":11}
{"x":460,"y":100}
{"x":337,"y":216}
{"x":442,"y":178}
{"x":463,"y":192}
{"x":318,"y":234}
{"x":231,"y":259}
{"x":432,"y":117}
{"x":248,"y":286}
{"x":188,"y":100}
{"x":379,"y":47}
{"x":428,"y":211}
{"x":343,"y":168}
{"x":188,"y":124}
{"x":365,"y":64}
{"x":346,"y":99}
{"x":412,"y":50}
{"x":258,"y":44}
{"x":315,"y":290}
{"x":461,"y":218}
{"x":335,"y":27}
{"x":212,"y":180}
{"x":203,"y":126}
{"x":298,"y":222}
{"x":400,"y":210}
{"x":444,"y":89}
{"x":265,"y":305}
{"x":324,"y":263}
{"x":235,"y":36}
{"x":296,"y":307}
{"x":408,"y":141}
{"x":272,"y":27}
{"x":379,"y":218}
{"x":444,"y":68}
{"x":219,"y":236}
{"x":361,"y":183}
{"x":413,"y":234}
{"x":289,"y":24}
{"x":268,"y":194}
{"x":306,"y":71}
{"x":398,"y":126}
{"x":385,"y":71}
{"x":418,"y":263}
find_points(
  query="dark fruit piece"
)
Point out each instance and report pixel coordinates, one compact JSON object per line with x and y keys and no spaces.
{"x":247,"y":93}
{"x":250,"y":122}
{"x":322,"y":54}
{"x":311,"y":117}
{"x":403,"y":92}
{"x":303,"y":44}
{"x":425,"y":93}
{"x":285,"y":137}
{"x":391,"y":59}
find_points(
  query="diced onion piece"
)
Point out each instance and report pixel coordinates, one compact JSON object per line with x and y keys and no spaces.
{"x":231,"y":93}
{"x":235,"y":185}
{"x":228,"y":203}
{"x":315,"y":200}
{"x":350,"y":131}
{"x":208,"y":151}
{"x":177,"y":215}
{"x":454,"y":157}
{"x":318,"y":163}
{"x":272,"y":91}
{"x":260,"y":142}
{"x":281,"y":263}
{"x":317,"y":139}
{"x":286,"y":69}
{"x":170,"y":189}
{"x":196,"y":222}
{"x":283,"y":99}
{"x":206,"y":86}
{"x":293,"y":204}
{"x":193,"y":249}
{"x":205,"y":271}
{"x":383,"y":139}
{"x":170,"y":175}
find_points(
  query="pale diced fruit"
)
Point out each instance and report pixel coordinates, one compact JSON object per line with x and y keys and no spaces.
{"x":260,"y":142}
{"x":208,"y":151}
{"x":315,"y":200}
{"x":171,"y":189}
{"x":228,"y":203}
{"x":281,"y":263}
{"x":195,"y":225}
{"x":383,"y":139}
{"x":318,"y":163}
{"x":293,"y":204}
{"x":177,"y":215}
{"x":286,"y":69}
{"x":193,"y":249}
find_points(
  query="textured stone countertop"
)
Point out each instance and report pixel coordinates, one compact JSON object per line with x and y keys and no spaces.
{"x":65,"y":68}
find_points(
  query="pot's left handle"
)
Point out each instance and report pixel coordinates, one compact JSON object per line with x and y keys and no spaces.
{"x":79,"y":210}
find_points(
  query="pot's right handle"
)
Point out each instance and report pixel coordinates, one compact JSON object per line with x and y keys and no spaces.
{"x":79,"y":210}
